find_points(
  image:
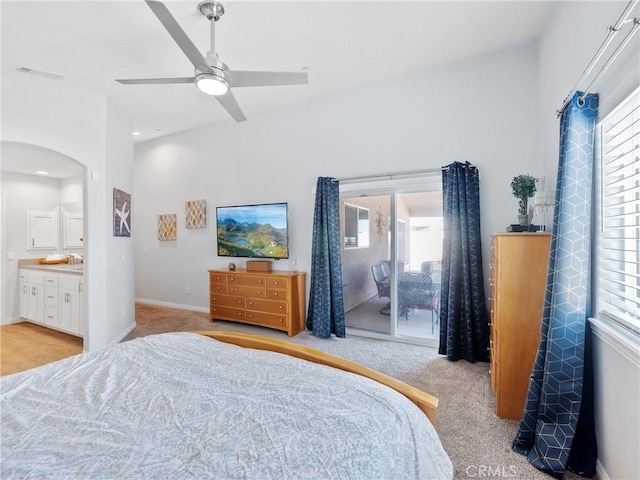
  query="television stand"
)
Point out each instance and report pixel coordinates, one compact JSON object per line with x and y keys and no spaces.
{"x":268,"y":299}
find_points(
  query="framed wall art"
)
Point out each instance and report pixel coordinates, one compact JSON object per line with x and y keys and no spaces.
{"x":121,"y":213}
{"x":167,"y":226}
{"x":195,"y":213}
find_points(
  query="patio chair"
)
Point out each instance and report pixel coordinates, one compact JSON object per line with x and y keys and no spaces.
{"x":386,"y":268}
{"x":415,"y":290}
{"x":383,"y":285}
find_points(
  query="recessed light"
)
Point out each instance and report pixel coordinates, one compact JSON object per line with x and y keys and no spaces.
{"x":42,"y":172}
{"x":135,"y":134}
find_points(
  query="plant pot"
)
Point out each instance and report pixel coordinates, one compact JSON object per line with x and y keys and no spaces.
{"x":524,"y":220}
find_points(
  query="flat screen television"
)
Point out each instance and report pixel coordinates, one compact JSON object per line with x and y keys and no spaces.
{"x":257,"y":231}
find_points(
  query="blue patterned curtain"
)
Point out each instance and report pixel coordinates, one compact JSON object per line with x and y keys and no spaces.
{"x":464,"y":326}
{"x":326,"y":304}
{"x":556,"y":430}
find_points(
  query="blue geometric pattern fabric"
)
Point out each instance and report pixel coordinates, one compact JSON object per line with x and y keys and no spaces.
{"x":326,"y":303}
{"x":464,"y":320}
{"x":553,"y":406}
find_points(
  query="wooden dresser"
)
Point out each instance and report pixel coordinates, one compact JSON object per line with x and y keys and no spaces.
{"x":518,"y":279}
{"x":269,"y":299}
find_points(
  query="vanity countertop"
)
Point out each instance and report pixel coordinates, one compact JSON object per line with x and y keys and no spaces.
{"x":57,"y":268}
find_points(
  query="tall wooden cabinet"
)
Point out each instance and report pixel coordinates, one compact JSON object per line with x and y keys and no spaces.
{"x":269,"y":299}
{"x":518,"y":278}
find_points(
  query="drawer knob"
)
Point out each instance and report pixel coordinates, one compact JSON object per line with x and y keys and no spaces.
{"x":240,"y":302}
{"x":251,"y":303}
{"x":281,"y":307}
{"x":259,"y":292}
{"x":214,"y":298}
{"x":259,"y":281}
{"x":239,"y":314}
{"x":275,"y":294}
{"x":251,"y":315}
{"x":280,"y":320}
{"x":275,"y":283}
{"x":232,"y":289}
{"x":214,"y":309}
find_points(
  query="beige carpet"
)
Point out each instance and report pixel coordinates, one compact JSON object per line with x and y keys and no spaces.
{"x":478,"y":442}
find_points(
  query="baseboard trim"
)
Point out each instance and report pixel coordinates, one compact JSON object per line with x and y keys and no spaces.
{"x":10,"y":320}
{"x":179,"y":306}
{"x":130,"y":328}
{"x":601,"y":473}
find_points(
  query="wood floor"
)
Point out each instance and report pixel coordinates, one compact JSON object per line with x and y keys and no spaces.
{"x":25,"y":345}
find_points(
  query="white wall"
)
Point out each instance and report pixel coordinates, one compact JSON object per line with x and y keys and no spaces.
{"x":80,"y":125}
{"x":481,"y":111}
{"x":21,"y":194}
{"x":574,"y":34}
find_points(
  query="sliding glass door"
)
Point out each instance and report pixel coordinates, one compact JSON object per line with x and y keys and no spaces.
{"x":365,"y":259}
{"x":391,"y":260}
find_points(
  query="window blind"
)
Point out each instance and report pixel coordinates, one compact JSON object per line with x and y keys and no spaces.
{"x":617,"y":258}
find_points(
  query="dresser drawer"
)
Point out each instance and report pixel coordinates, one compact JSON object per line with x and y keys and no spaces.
{"x":273,"y":294}
{"x":251,"y":280}
{"x":269,"y":306}
{"x":275,"y":282}
{"x":227,"y":313}
{"x":218,"y":288}
{"x":227,"y":301}
{"x":246,"y":291}
{"x":218,"y":277}
{"x":268,"y":319}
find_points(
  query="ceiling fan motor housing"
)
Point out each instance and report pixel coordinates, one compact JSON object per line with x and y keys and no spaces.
{"x":211,"y":10}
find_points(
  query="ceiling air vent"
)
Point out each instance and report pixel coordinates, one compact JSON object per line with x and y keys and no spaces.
{"x":39,"y":73}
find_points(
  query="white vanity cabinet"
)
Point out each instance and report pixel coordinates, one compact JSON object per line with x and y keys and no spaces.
{"x":42,"y":230}
{"x":70,"y":301}
{"x":52,"y":299}
{"x":23,"y":293}
{"x":35,"y":297}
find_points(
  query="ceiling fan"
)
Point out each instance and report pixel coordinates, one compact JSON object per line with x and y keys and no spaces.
{"x":212,"y":76}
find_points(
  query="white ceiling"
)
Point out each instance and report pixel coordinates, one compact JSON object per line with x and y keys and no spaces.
{"x":343,"y":44}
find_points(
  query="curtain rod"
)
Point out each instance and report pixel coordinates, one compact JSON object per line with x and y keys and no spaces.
{"x":390,"y":176}
{"x":612,"y":31}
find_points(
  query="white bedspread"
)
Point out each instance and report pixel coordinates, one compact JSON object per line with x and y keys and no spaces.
{"x":180,"y":405}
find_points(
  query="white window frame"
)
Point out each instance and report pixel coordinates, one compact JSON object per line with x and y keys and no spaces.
{"x":616,"y":249}
{"x":363,"y":227}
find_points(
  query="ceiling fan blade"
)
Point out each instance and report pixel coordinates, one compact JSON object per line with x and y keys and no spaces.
{"x":228,"y":101}
{"x":177,"y":33}
{"x":266,"y":79}
{"x":156,"y":81}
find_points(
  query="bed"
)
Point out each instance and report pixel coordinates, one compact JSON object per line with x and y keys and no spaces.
{"x":215,"y":405}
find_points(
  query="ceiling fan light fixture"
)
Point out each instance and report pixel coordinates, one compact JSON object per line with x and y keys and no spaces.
{"x":212,"y":84}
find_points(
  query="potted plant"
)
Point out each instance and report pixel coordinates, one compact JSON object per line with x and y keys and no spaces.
{"x":523,"y":187}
